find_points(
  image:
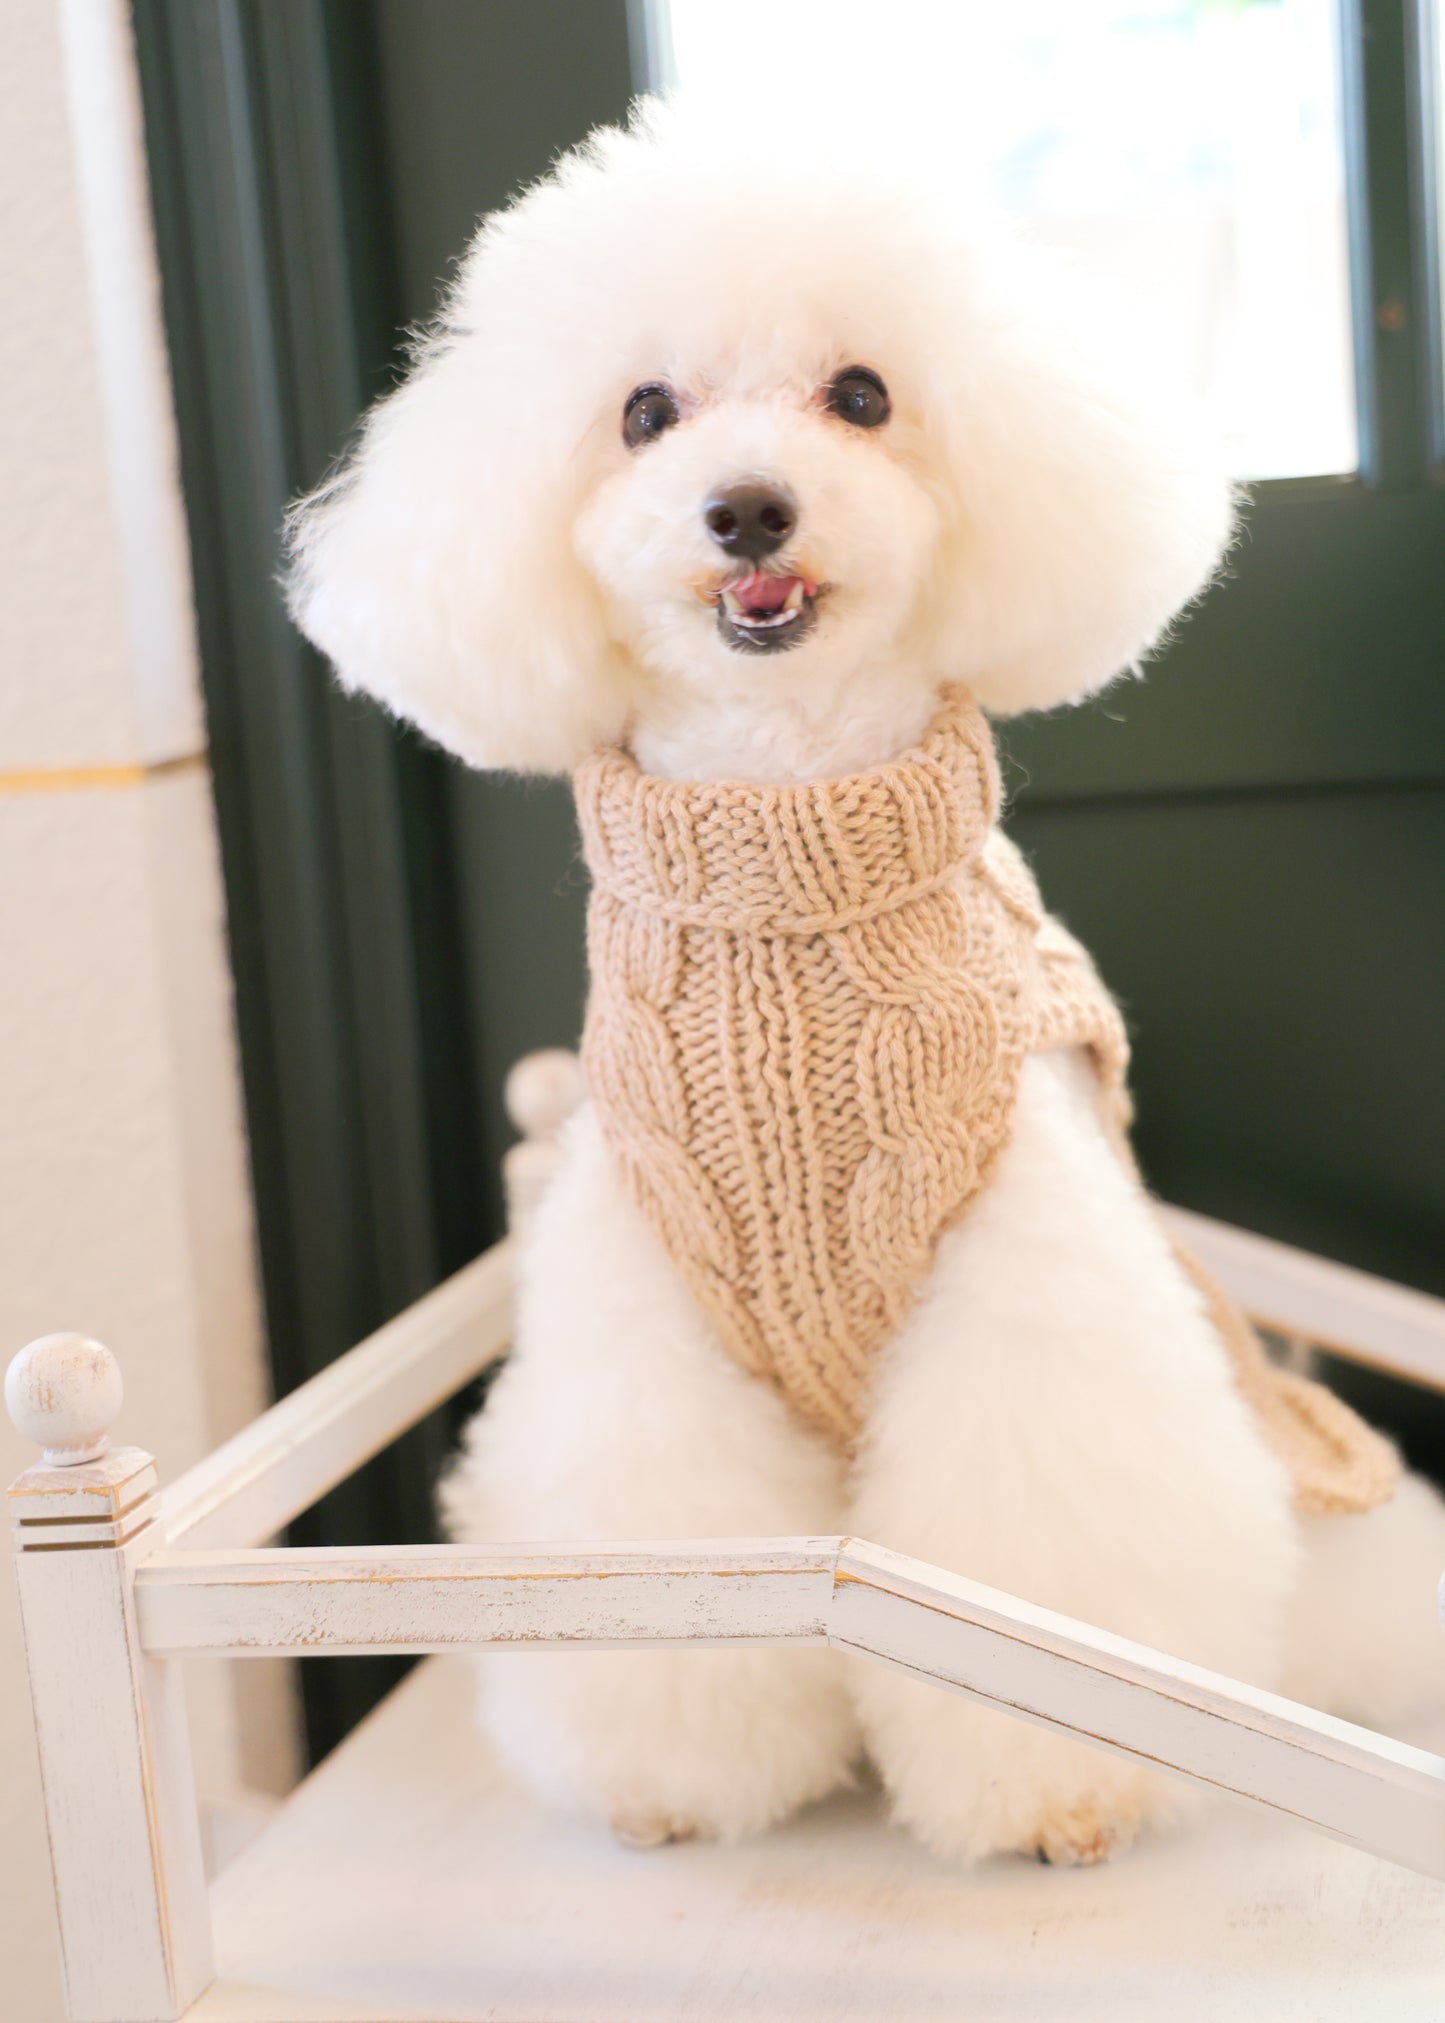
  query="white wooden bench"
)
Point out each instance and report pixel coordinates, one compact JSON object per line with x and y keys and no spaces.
{"x":407,"y":1878}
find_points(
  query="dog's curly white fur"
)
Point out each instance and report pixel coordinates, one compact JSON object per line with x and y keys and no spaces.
{"x":1056,"y":1417}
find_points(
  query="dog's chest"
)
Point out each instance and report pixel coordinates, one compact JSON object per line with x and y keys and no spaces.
{"x":809,"y":1010}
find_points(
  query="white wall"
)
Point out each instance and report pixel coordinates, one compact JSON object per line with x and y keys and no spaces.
{"x":124,"y":1202}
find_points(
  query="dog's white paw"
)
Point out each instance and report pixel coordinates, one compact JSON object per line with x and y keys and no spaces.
{"x":650,"y":1829}
{"x":1083,"y":1809}
{"x":1085,"y":1833}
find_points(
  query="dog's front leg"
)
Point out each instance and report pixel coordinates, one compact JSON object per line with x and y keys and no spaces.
{"x":1058,"y":1419}
{"x":620,"y":1416}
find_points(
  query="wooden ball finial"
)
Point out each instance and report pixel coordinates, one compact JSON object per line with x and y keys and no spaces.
{"x":542,"y":1091}
{"x":64,"y":1392}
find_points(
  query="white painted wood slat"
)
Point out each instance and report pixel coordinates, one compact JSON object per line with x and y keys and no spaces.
{"x":1363,"y":1788}
{"x":117,"y":1583}
{"x":110,"y":1722}
{"x":436,"y":1598}
{"x":1351,"y":1313}
{"x":253,"y":1485}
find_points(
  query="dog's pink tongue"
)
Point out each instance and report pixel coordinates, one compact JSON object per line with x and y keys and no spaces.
{"x":761,"y":592}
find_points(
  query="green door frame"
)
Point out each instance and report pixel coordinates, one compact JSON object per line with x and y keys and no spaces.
{"x":342,"y":909}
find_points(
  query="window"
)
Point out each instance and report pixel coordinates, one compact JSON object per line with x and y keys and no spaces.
{"x":1191,"y":151}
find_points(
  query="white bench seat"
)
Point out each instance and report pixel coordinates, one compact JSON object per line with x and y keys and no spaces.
{"x":410,"y":1880}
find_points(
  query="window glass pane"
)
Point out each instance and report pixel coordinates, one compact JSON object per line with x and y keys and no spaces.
{"x":1189,"y":149}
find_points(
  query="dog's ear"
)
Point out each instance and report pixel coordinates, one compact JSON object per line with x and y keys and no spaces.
{"x":1087,"y":507}
{"x":436,"y":570}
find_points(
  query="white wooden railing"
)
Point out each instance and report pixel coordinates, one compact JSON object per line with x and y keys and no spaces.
{"x":119,"y":1580}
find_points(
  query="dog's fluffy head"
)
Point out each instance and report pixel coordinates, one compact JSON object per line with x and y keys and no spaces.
{"x":498,"y":564}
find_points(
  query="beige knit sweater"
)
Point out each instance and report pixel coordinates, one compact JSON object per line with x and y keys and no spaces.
{"x":809,"y":1010}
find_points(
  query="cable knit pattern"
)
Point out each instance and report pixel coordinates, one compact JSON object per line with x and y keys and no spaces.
{"x":809,"y":1010}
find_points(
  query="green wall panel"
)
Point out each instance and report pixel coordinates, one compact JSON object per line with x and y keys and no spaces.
{"x":1316,"y":658}
{"x":472,"y":103}
{"x":524,"y":900}
{"x":1281,"y":961}
{"x":476,"y":99}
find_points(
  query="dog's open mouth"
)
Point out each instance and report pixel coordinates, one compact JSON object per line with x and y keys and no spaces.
{"x":763,"y":613}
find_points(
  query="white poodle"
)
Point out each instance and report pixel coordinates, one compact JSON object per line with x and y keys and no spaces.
{"x":736,"y":456}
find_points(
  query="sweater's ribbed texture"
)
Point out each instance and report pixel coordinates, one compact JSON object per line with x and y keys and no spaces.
{"x":809,"y":1010}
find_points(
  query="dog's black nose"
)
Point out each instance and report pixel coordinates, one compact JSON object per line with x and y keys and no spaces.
{"x":751,"y":521}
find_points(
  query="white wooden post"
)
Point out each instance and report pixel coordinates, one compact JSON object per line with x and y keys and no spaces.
{"x":115,"y":1759}
{"x":542,"y":1091}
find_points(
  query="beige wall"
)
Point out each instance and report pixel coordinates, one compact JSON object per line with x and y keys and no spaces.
{"x":124,"y":1204}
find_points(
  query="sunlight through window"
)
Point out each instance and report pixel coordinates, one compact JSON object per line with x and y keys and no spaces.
{"x":1189,"y":150}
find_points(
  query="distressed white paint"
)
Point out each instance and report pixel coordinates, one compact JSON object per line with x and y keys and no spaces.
{"x":1363,"y":1788}
{"x":65,"y":1392}
{"x":411,"y":1878}
{"x":115,"y":1757}
{"x":436,"y":1597}
{"x":108,"y":1500}
{"x":146,"y":1580}
{"x":1312,"y":1299}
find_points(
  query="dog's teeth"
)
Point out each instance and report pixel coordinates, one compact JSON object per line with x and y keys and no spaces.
{"x":763,"y":621}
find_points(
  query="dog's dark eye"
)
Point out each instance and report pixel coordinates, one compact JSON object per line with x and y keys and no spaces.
{"x":860,"y":397}
{"x":649,"y":413}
